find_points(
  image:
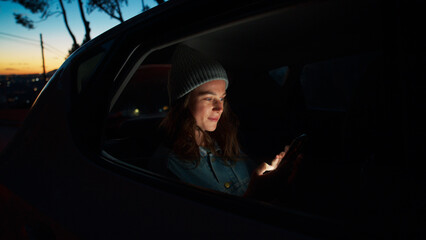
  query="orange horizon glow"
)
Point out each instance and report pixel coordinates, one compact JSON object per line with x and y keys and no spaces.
{"x":28,"y":64}
{"x":27,"y":67}
{"x":30,"y":71}
{"x":20,"y":59}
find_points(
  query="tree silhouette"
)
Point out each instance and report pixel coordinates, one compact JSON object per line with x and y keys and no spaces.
{"x":113,"y":7}
{"x":110,"y":7}
{"x":35,"y":6}
{"x":85,"y":22}
{"x":24,"y":20}
{"x":42,"y":7}
{"x":75,"y":45}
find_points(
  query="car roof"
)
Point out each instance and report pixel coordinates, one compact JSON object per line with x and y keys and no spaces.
{"x":308,"y":30}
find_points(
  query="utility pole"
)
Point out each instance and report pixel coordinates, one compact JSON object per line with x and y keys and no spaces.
{"x":42,"y":57}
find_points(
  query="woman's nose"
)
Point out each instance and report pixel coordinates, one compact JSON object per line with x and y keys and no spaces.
{"x":218,"y":105}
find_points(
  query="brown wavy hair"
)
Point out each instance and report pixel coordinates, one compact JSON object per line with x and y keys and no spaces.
{"x":180,"y":127}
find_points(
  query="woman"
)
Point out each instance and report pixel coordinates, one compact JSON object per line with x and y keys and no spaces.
{"x":201,"y":130}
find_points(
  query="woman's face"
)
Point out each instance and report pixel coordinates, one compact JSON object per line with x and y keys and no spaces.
{"x":206,"y":104}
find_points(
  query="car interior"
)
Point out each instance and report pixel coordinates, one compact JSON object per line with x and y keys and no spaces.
{"x":294,"y":70}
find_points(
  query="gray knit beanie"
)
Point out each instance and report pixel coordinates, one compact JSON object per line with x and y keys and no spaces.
{"x":190,"y":69}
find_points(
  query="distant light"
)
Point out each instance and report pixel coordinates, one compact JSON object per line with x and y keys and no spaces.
{"x":136,"y":112}
{"x":165,"y":108}
{"x":35,"y":89}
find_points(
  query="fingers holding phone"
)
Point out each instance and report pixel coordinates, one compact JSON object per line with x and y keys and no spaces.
{"x":293,"y":150}
{"x":277,"y":160}
{"x":265,"y":167}
{"x":268,"y":180}
{"x":289,"y":157}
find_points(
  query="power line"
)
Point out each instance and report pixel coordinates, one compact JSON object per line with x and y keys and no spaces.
{"x":37,"y":41}
{"x":58,"y":54}
{"x":16,"y":36}
{"x":52,"y":49}
{"x":49,"y":50}
{"x":29,"y":39}
{"x":19,"y":40}
{"x":59,"y":51}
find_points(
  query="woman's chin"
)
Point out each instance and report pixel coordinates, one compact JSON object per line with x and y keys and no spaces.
{"x":211,"y":129}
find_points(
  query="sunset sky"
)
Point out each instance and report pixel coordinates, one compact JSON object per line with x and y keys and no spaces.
{"x":20,"y":50}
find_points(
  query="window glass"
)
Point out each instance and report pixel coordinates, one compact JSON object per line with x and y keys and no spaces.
{"x":328,"y":85}
{"x":279,"y":75}
{"x":132,"y":125}
{"x":144,"y":95}
{"x":88,"y":66}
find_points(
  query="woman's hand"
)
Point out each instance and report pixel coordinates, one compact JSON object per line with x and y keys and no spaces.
{"x":268,"y":180}
{"x":265,"y":167}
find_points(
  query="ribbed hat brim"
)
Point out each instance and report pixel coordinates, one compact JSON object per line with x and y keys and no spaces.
{"x":190,"y":69}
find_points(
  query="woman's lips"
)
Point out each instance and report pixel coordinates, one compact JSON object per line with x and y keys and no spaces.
{"x":215,"y":119}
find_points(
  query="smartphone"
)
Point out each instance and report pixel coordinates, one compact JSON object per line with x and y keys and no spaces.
{"x":295,"y":149}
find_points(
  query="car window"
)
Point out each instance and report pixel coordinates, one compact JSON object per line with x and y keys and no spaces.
{"x":132,"y":123}
{"x":88,"y":66}
{"x":279,"y":75}
{"x":328,"y":85}
{"x":280,"y":86}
